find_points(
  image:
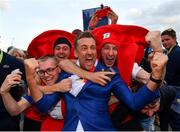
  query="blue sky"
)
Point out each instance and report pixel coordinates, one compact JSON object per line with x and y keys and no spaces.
{"x":22,"y":20}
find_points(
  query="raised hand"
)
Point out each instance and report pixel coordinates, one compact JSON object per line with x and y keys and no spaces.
{"x":101,"y":77}
{"x":154,"y":39}
{"x":64,"y":86}
{"x":93,"y":22}
{"x":112,"y":16}
{"x":158,"y":64}
{"x":11,"y":79}
{"x":31,"y":65}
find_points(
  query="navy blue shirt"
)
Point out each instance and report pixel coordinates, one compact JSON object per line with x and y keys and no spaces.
{"x":7,"y":65}
{"x":173,"y":67}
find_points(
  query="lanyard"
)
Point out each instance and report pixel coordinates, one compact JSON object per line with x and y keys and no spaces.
{"x":1,"y":56}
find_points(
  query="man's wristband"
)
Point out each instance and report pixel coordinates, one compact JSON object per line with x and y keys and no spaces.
{"x":155,"y":80}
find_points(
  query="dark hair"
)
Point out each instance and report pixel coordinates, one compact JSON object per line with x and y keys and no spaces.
{"x":85,"y":34}
{"x":9,"y":48}
{"x":169,"y":32}
{"x":76,"y":31}
{"x":62,"y":40}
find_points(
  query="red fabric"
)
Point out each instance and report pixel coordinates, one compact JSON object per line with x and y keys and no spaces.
{"x":130,"y":41}
{"x":33,"y":114}
{"x":127,"y":119}
{"x":50,"y":124}
{"x":63,"y":107}
{"x":103,"y":12}
{"x":42,"y":45}
{"x":91,"y":70}
{"x":112,"y":107}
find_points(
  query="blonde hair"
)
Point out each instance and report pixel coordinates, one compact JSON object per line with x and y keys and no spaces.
{"x":13,"y":51}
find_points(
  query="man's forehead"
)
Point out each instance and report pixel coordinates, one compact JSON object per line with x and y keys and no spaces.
{"x":47,"y":61}
{"x":62,"y":45}
{"x":45,"y":66}
{"x":109,"y":44}
{"x":87,"y":44}
{"x":87,"y":41}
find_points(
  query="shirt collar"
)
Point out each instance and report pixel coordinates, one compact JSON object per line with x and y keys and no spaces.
{"x":170,"y":49}
{"x":95,"y":64}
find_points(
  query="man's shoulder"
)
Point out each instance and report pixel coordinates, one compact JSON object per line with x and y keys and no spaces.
{"x":64,"y":75}
{"x":176,"y":49}
{"x":175,"y":53}
{"x":12,"y":60}
{"x":101,"y":67}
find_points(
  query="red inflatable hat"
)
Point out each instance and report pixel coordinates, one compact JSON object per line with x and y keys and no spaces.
{"x":43,"y":44}
{"x":130,"y":41}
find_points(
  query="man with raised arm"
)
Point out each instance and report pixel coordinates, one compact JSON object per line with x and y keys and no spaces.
{"x":87,"y":102}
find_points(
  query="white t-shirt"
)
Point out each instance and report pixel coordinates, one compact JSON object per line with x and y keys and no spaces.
{"x":136,"y":69}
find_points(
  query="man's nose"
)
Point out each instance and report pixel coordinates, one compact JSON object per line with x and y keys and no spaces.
{"x":46,"y":74}
{"x":89,"y":51}
{"x":111,"y":52}
{"x":61,"y":50}
{"x":150,"y":113}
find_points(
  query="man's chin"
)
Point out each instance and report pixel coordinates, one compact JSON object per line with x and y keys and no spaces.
{"x":60,"y":59}
{"x":89,"y":67}
{"x":109,"y":64}
{"x":49,"y":83}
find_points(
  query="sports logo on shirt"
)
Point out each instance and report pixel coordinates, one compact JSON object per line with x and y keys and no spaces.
{"x":6,"y":66}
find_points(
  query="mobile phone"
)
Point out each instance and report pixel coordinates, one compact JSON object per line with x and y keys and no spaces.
{"x":103,"y":12}
{"x":16,"y":71}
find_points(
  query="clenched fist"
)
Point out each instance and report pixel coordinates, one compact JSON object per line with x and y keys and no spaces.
{"x":11,"y":79}
{"x":158,"y":64}
{"x":154,"y":39}
{"x":65,"y":85}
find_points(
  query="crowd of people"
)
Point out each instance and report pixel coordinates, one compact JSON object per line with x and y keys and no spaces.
{"x":109,"y":78}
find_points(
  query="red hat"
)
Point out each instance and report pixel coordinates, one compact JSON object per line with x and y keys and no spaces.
{"x":130,"y":41}
{"x":43,"y":44}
